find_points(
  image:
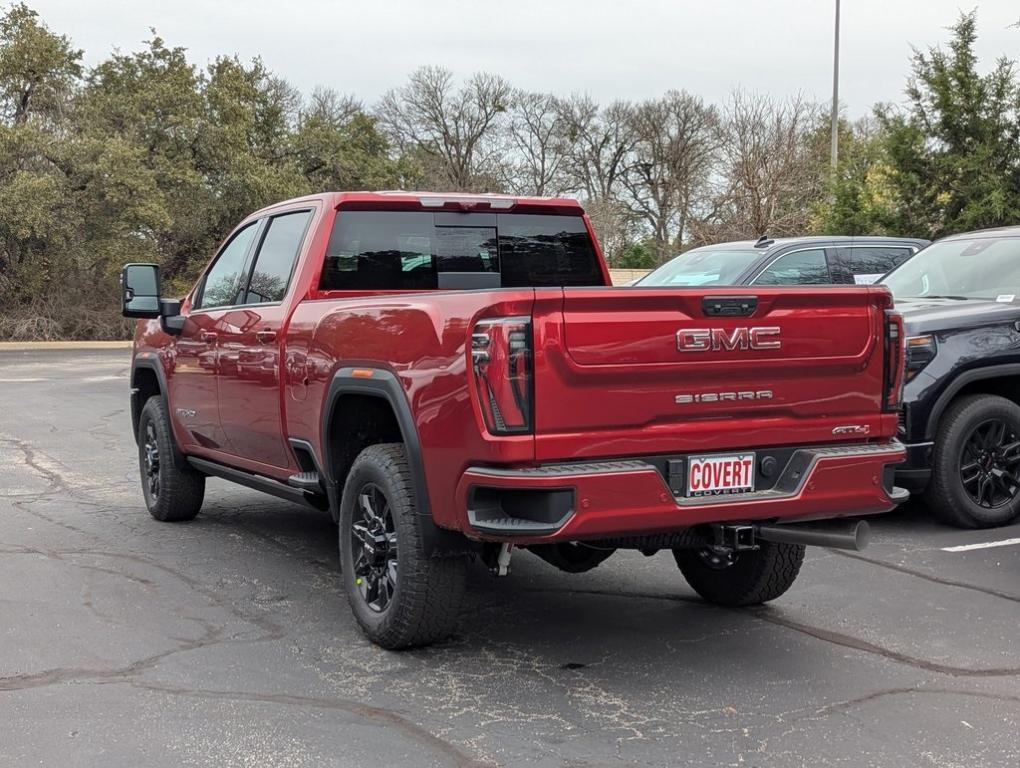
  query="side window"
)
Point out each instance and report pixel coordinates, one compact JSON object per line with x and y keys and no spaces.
{"x":869,"y":263}
{"x":275,"y":260}
{"x":223,"y":280}
{"x":798,"y":268}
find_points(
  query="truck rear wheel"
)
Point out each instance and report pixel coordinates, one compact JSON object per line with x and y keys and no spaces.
{"x":171,"y":494}
{"x":975,"y":479}
{"x":741,"y":578}
{"x":400,"y":596}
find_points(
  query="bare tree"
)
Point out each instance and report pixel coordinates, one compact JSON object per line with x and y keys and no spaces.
{"x":599,"y":143}
{"x":769,"y":174}
{"x":453,"y":129}
{"x":331,"y":106}
{"x":536,"y":141}
{"x":676,"y":140}
{"x":615,"y":225}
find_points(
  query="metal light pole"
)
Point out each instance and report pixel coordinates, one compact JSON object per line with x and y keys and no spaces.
{"x":835,"y":94}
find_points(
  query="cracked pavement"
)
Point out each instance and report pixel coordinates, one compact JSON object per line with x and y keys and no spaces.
{"x":227,"y":641}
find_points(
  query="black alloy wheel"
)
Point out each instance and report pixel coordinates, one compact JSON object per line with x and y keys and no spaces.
{"x":975,"y":479}
{"x":373,"y":550}
{"x":989,"y":463}
{"x":151,"y":461}
{"x":400,"y":597}
{"x":172,"y":492}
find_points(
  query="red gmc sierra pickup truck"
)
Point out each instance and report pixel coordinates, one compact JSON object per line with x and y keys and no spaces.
{"x":452,"y":376}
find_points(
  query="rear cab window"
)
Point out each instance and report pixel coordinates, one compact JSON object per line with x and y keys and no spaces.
{"x":424,"y":250}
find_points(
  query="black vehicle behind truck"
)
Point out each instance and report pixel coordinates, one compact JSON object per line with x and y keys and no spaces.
{"x":960,"y":301}
{"x":816,"y":260}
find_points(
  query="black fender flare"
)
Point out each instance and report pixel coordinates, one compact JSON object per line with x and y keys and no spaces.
{"x":154,"y":364}
{"x":958,"y":383}
{"x":384,"y":384}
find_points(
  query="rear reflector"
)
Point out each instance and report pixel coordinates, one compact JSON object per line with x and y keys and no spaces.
{"x":501,"y":360}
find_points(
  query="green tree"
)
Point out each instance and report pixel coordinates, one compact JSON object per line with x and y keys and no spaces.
{"x":39,"y":72}
{"x":638,"y":256}
{"x":38,"y":69}
{"x":955,"y":154}
{"x":859,"y":199}
{"x":948,"y":161}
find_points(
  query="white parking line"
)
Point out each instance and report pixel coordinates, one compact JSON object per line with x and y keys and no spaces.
{"x":982,"y":545}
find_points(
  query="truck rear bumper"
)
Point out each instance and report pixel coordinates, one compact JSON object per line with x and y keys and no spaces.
{"x":567,"y":502}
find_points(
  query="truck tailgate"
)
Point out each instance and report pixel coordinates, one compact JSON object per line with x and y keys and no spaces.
{"x":644,"y":371}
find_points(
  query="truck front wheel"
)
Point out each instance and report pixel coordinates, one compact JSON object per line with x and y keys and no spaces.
{"x":741,"y":578}
{"x":400,"y":595}
{"x":172,"y":494}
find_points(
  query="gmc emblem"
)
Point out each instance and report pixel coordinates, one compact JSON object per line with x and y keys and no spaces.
{"x":706,"y":339}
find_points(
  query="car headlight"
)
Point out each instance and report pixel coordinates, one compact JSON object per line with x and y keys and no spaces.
{"x":920,"y":351}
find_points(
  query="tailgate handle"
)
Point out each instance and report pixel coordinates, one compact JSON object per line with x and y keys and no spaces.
{"x":729,"y":306}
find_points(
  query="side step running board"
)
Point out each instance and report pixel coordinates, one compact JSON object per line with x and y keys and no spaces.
{"x":306,"y":481}
{"x":260,"y":483}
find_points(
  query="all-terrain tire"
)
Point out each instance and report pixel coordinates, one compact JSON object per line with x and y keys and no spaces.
{"x":748,"y":578}
{"x":427,"y":591}
{"x":946,"y":496}
{"x":171,"y":494}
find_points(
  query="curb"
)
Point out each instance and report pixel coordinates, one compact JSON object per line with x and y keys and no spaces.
{"x":28,"y":346}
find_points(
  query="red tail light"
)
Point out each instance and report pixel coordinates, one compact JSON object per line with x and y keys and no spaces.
{"x":501,"y":357}
{"x":895,"y":359}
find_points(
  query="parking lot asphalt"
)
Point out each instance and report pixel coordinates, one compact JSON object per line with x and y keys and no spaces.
{"x":227,"y":641}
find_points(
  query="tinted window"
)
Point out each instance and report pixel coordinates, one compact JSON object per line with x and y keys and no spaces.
{"x":275,"y":260}
{"x":393,"y":250}
{"x":223,"y":280}
{"x":546,"y":251}
{"x":868,"y":263}
{"x":797,"y":268}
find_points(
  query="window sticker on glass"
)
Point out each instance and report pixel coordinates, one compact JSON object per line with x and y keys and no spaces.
{"x":1005,"y":298}
{"x":867,"y":279}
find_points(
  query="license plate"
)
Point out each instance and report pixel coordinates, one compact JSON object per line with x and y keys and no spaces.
{"x":720,"y":475}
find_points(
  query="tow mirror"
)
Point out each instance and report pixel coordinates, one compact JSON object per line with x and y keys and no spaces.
{"x":140,"y":297}
{"x":140,"y":290}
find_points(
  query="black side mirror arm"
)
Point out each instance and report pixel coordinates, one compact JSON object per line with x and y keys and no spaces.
{"x":170,"y":317}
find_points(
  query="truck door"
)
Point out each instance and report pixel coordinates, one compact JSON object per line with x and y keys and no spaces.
{"x":196,"y":352}
{"x":250,"y":336}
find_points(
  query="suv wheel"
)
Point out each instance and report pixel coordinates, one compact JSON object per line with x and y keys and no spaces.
{"x":171,"y":494}
{"x":976,"y":467}
{"x":741,"y":578}
{"x":400,"y":595}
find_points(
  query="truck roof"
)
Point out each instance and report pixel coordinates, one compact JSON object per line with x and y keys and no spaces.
{"x":436,"y":200}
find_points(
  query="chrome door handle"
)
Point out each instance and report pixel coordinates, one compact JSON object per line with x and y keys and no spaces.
{"x":207,"y":336}
{"x":265,"y":336}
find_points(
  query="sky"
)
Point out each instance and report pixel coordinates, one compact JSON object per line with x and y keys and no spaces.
{"x":627,"y":49}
